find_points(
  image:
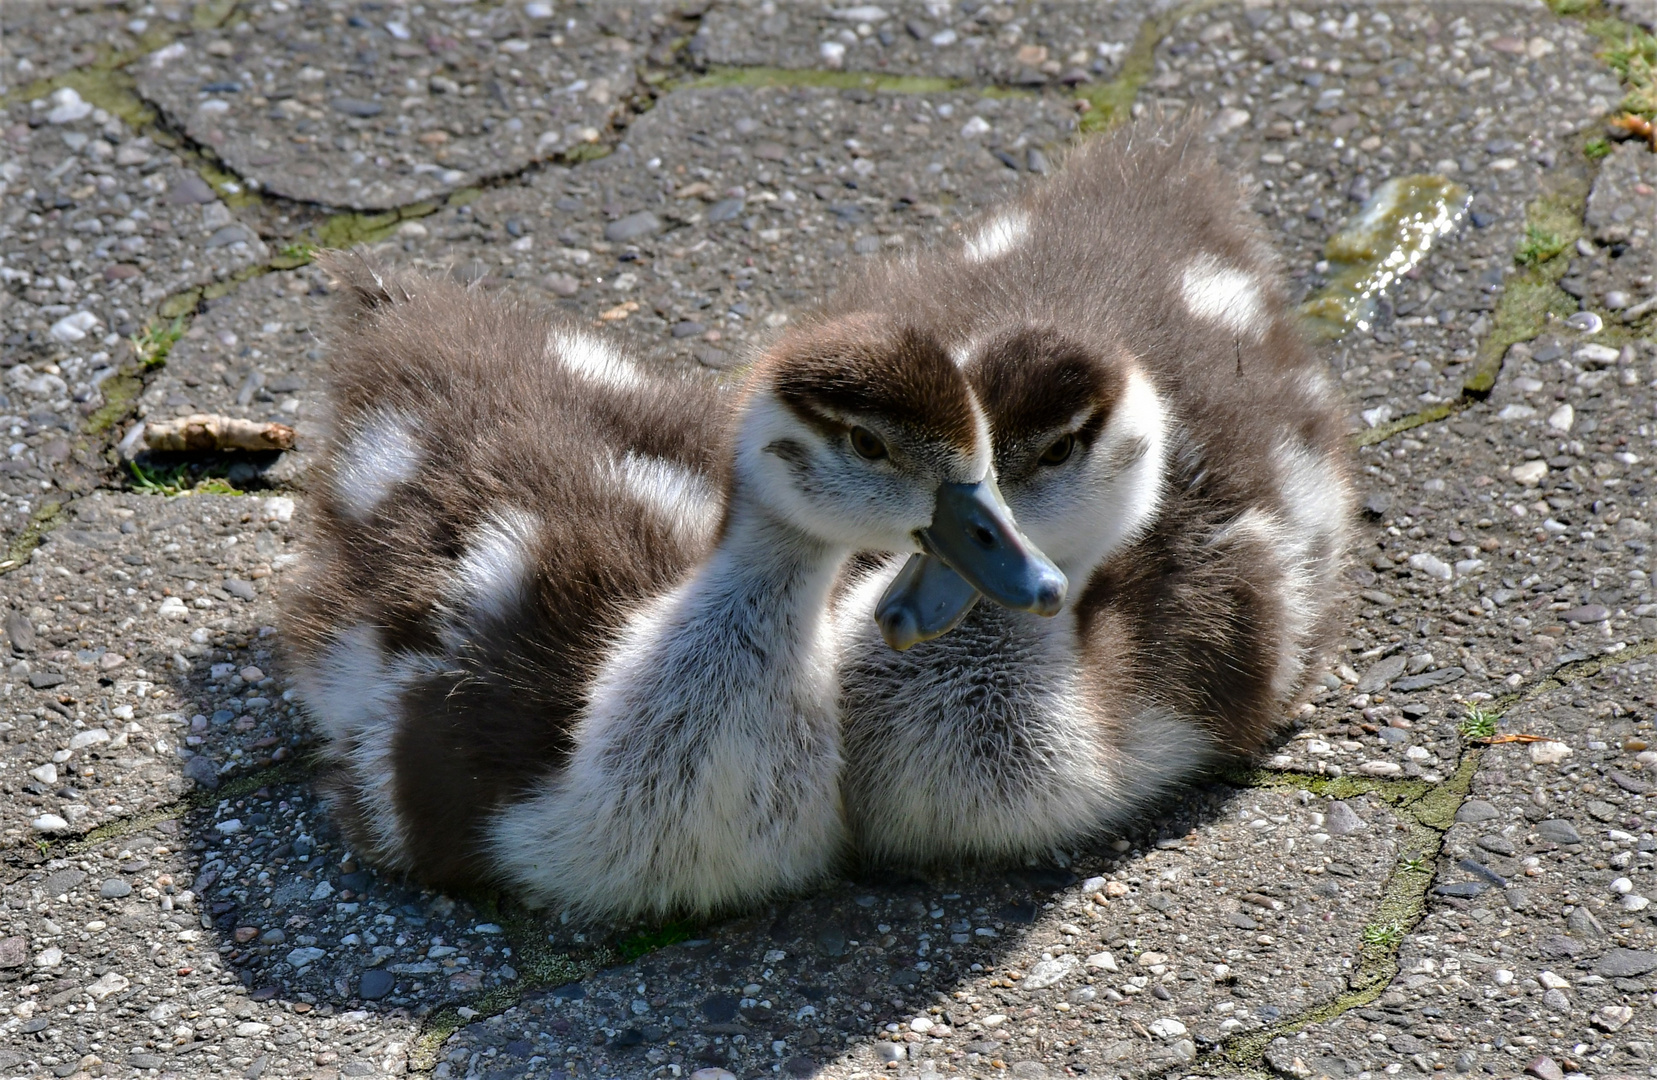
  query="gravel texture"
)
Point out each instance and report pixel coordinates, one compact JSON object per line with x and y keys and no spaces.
{"x":365,"y":109}
{"x":1387,"y":895}
{"x":1023,"y":45}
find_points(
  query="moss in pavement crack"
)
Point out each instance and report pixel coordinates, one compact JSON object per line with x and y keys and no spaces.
{"x":43,"y":520}
{"x":1111,"y":102}
{"x":235,"y":787}
{"x":1530,"y":298}
{"x":1429,"y":811}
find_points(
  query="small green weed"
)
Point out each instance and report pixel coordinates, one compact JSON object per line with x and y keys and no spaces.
{"x":1595,"y":149}
{"x":1477,"y":724}
{"x":1384,"y":936}
{"x":156,"y":340}
{"x":631,"y":948}
{"x":1540,"y":245}
{"x":1634,"y":59}
{"x":1416,"y":864}
{"x":177,"y":479}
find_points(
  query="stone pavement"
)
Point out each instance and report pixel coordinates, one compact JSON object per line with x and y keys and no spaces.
{"x":1390,"y":894}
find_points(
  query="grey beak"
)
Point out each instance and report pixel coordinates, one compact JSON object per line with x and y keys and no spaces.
{"x":926,"y":600}
{"x":974,"y":534}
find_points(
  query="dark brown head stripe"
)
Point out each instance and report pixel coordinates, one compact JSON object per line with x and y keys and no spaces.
{"x":862,"y":365}
{"x":1034,"y":379}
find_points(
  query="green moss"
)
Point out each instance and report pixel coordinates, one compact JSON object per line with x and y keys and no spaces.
{"x":42,"y":521}
{"x":107,"y":87}
{"x":1596,"y":148}
{"x":1539,"y":246}
{"x":119,"y":392}
{"x":1111,"y":102}
{"x":211,"y":14}
{"x":1631,"y":52}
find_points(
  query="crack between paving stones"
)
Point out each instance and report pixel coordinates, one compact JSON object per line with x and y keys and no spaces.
{"x":1520,"y":315}
{"x":1431,"y":810}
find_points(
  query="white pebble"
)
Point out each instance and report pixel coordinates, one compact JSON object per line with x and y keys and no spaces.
{"x":1562,"y":419}
{"x":974,"y":127}
{"x":1530,"y":473}
{"x":1549,"y":753}
{"x":49,"y":823}
{"x":67,"y":107}
{"x":1431,"y":565}
{"x":1622,"y":886}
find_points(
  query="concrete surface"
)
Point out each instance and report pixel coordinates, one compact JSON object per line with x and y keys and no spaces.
{"x":1387,"y":895}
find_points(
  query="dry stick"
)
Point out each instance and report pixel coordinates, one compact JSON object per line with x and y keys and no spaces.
{"x":205,"y":431}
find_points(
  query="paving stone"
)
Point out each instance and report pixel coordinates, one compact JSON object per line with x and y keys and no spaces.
{"x":97,"y":227}
{"x":1321,"y":114}
{"x":44,"y":41}
{"x":908,"y":180}
{"x":1019,"y":44}
{"x":1503,"y":983}
{"x":147,"y":969}
{"x":258,"y":353}
{"x":123,"y":596}
{"x":1616,"y":278}
{"x":373,"y":109}
{"x":953,"y":973}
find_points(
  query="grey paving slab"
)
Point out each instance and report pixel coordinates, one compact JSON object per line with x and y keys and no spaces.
{"x":101,"y":219}
{"x":1124,"y":965}
{"x":1321,"y":106}
{"x":1538,"y":939}
{"x":364,"y":109}
{"x":1503,"y":545}
{"x":140,"y":658}
{"x":258,"y":352}
{"x":44,"y":41}
{"x":726,"y":210}
{"x":97,"y":226}
{"x":112,"y":962}
{"x":1017,"y":44}
{"x":1617,"y":277}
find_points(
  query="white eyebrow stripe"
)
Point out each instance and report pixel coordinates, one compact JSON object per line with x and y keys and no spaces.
{"x":1218,"y":293}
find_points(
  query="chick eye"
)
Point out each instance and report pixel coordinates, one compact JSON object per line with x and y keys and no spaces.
{"x":867,"y":444}
{"x":1060,"y":451}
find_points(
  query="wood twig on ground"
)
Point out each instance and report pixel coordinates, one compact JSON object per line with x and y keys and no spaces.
{"x":207,"y":431}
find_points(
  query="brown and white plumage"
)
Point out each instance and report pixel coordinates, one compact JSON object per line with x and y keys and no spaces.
{"x":565,"y":625}
{"x":1125,"y":321}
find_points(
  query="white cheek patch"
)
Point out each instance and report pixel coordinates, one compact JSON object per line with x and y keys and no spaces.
{"x":1117,"y":497}
{"x":998,"y":236}
{"x":593,"y":360}
{"x":679,"y":495}
{"x":382,"y":453}
{"x":491,"y":577}
{"x":1216,"y":293}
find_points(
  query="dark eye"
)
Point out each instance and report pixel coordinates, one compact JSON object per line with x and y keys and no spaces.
{"x":1060,"y":451}
{"x":867,"y":444}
